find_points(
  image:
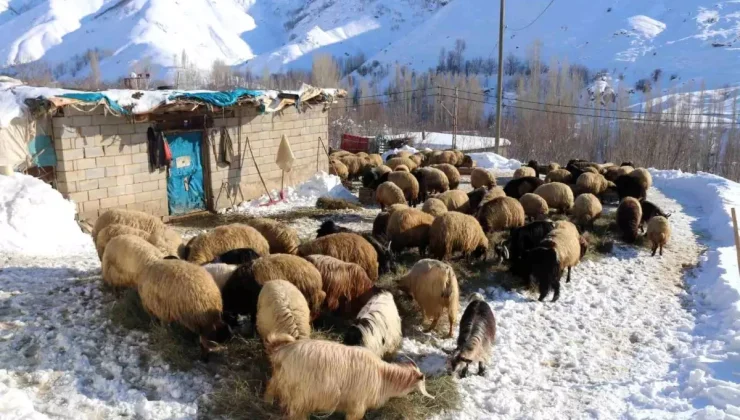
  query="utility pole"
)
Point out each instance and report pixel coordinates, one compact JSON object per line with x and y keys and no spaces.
{"x":500,"y":91}
{"x":454,"y":124}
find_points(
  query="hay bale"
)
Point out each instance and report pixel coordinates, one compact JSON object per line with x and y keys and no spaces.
{"x":328,"y":203}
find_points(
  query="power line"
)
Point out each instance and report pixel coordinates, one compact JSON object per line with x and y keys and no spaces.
{"x":388,"y":94}
{"x":535,"y":19}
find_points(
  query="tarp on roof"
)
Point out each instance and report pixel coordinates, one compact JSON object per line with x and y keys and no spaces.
{"x":222,"y":99}
{"x":97,"y":98}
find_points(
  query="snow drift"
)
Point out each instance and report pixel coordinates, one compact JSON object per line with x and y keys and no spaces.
{"x":494,"y":161}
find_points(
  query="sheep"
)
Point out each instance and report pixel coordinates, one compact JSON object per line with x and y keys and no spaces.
{"x":354,"y":164}
{"x":628,"y":186}
{"x":113,"y":230}
{"x":344,"y":379}
{"x":169,"y":241}
{"x":409,"y":228}
{"x":501,"y":213}
{"x":220,"y":272}
{"x":643,"y":176}
{"x":389,"y":193}
{"x":124,"y":257}
{"x":650,"y":210}
{"x":380,"y":224}
{"x":476,"y":338}
{"x":131,"y":218}
{"x":282,"y":238}
{"x":590,"y":170}
{"x":341,"y":281}
{"x":207,"y":246}
{"x":431,"y":180}
{"x":562,"y":248}
{"x":377,"y":326}
{"x":659,"y":233}
{"x":453,"y":175}
{"x":404,"y":154}
{"x":559,"y":175}
{"x":386,"y":260}
{"x":577,"y":167}
{"x":591,"y":183}
{"x":455,"y":200}
{"x":611,"y":173}
{"x":397,"y":161}
{"x":480,"y":177}
{"x":523,"y":239}
{"x":534,"y":206}
{"x":401,"y":168}
{"x":376,"y":159}
{"x":558,"y":195}
{"x":433,"y":285}
{"x":370,"y":177}
{"x":532,"y":164}
{"x":627,"y":163}
{"x":482,"y":195}
{"x":417,"y":158}
{"x":629,"y":214}
{"x":336,"y":167}
{"x":457,"y":232}
{"x":516,"y":188}
{"x":459,"y":157}
{"x":177,"y":291}
{"x":446,"y":157}
{"x":587,"y":209}
{"x":338,"y":153}
{"x":434,"y":206}
{"x":406,"y":182}
{"x":281,"y":308}
{"x":348,"y":247}
{"x":361,"y":154}
{"x":468,"y":162}
{"x":525,"y":171}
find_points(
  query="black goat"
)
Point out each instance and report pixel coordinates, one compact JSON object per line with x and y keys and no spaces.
{"x":475,"y":197}
{"x":523,"y":239}
{"x":628,"y":186}
{"x":516,"y":188}
{"x":650,"y":210}
{"x":544,"y":269}
{"x":237,"y":256}
{"x":536,"y":166}
{"x":239,"y":296}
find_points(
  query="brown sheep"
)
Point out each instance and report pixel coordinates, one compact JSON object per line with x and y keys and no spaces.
{"x":659,"y":233}
{"x":131,"y":218}
{"x":418,"y":159}
{"x":587,"y":209}
{"x":342,"y":282}
{"x":435,"y":207}
{"x":205,"y":247}
{"x":457,"y":232}
{"x":501,"y":213}
{"x":449,"y":157}
{"x":354,"y":164}
{"x":407,"y":183}
{"x":124,"y":258}
{"x":643,"y":176}
{"x":376,"y":159}
{"x":282,"y":238}
{"x":114,"y":230}
{"x":382,"y":170}
{"x":629,"y":214}
{"x":534,"y":206}
{"x":402,"y":168}
{"x":336,"y":167}
{"x":348,"y":247}
{"x":557,"y":195}
{"x":455,"y":200}
{"x":433,"y":285}
{"x":453,"y":175}
{"x":282,"y":309}
{"x":409,"y":228}
{"x":397,"y":161}
{"x":480,"y":177}
{"x":380,"y":224}
{"x":591,"y":183}
{"x":559,"y":175}
{"x":389,"y":193}
{"x":524,"y":171}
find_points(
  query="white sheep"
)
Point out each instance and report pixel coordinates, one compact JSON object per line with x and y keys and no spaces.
{"x":433,"y":285}
{"x":124,"y":257}
{"x":281,"y":308}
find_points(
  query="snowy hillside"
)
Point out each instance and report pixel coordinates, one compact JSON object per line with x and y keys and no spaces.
{"x":629,"y":37}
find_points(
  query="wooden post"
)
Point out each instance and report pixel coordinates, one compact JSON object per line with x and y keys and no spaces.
{"x":737,"y":237}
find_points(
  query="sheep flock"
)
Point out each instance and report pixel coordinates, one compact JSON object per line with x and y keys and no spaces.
{"x":537,"y":228}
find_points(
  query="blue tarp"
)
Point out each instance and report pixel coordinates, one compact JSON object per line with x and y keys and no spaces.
{"x":42,"y":143}
{"x":221,"y":99}
{"x":96,"y":97}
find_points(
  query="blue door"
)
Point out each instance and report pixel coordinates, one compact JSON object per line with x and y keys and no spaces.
{"x":185,"y":191}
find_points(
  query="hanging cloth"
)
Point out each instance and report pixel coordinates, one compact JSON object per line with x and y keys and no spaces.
{"x":227,"y":147}
{"x":285,"y":157}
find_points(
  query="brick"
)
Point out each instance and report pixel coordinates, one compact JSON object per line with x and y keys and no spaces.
{"x":114,"y":171}
{"x":64,"y":144}
{"x":124,"y":160}
{"x":98,"y":194}
{"x":107,"y":203}
{"x":78,"y":197}
{"x":140,"y":158}
{"x":69,"y":176}
{"x":124,"y":180}
{"x":95,"y":173}
{"x":105,"y":161}
{"x":113,"y":150}
{"x":91,"y":152}
{"x":134,"y":188}
{"x":92,"y":205}
{"x":135,"y":206}
{"x":66,"y":132}
{"x":107,"y":182}
{"x":162,"y":184}
{"x":90,"y":184}
{"x":126,"y":199}
{"x":112,"y":139}
{"x":59,"y":122}
{"x":143,"y":197}
{"x":108,"y":130}
{"x":138,"y":138}
{"x":141,"y":178}
{"x":65,"y":165}
{"x":126,"y":129}
{"x":142,"y":128}
{"x":81,"y":121}
{"x":85,"y":163}
{"x":135,"y":168}
{"x":116,"y":191}
{"x":67,"y":187}
{"x":106,"y":120}
{"x":151,"y":186}
{"x":88,"y":215}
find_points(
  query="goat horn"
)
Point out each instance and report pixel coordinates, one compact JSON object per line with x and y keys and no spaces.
{"x":412,"y":361}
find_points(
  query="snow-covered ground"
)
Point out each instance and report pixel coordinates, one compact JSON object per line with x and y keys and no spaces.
{"x":633,"y":336}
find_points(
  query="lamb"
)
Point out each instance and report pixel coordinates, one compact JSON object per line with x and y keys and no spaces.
{"x":177,"y":291}
{"x":282,"y":238}
{"x":220,"y":272}
{"x":535,"y":167}
{"x":124,"y":257}
{"x":402,"y":168}
{"x":431,"y":180}
{"x":131,"y":218}
{"x":562,"y":248}
{"x":282,"y":309}
{"x":650,"y":210}
{"x":453,"y":175}
{"x":525,"y":171}
{"x":476,"y":338}
{"x":336,"y":154}
{"x":434,"y":206}
{"x":587,"y":209}
{"x":659,"y":233}
{"x":433,"y":285}
{"x":455,"y":200}
{"x":348,"y":247}
{"x":336,"y":167}
{"x":457,"y":232}
{"x":480,"y":177}
{"x":628,"y":186}
{"x":342,"y":282}
{"x":389,"y":193}
{"x":559,"y":196}
{"x":409,"y":228}
{"x":516,"y":188}
{"x":534,"y":206}
{"x":397,"y":161}
{"x":386,"y":260}
{"x":501,"y":214}
{"x":207,"y":246}
{"x":643,"y":176}
{"x":591,"y":183}
{"x":344,"y":379}
{"x":406,"y":182}
{"x":625,"y":170}
{"x":629,"y":214}
{"x":377,"y":326}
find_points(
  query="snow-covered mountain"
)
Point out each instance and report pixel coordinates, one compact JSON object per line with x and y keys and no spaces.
{"x":691,"y":39}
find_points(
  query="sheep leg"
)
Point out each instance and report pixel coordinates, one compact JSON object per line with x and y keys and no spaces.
{"x":204,"y":349}
{"x":464,"y":371}
{"x":356,"y":413}
{"x":481,"y":369}
{"x":655,"y":248}
{"x":433,"y":325}
{"x":556,"y":289}
{"x":270,"y":391}
{"x":661,"y":250}
{"x":544,"y":290}
{"x":451,"y":318}
{"x":568,"y":279}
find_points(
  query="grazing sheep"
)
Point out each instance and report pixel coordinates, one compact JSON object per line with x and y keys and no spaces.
{"x":431,"y":180}
{"x":534,"y":206}
{"x":455,"y":200}
{"x":406,"y":182}
{"x":446,"y":157}
{"x":643,"y":176}
{"x":457,"y":232}
{"x":628,"y":186}
{"x":401,"y":168}
{"x":282,"y":309}
{"x":338,"y":153}
{"x":389,"y":193}
{"x":341,"y":281}
{"x":380,"y":224}
{"x":114,"y":230}
{"x":659,"y":233}
{"x":371,"y":176}
{"x":591,"y":183}
{"x":459,"y":157}
{"x":525,"y":171}
{"x":398,"y":161}
{"x":418,"y":159}
{"x":453,"y":175}
{"x":433,"y":285}
{"x":480,"y":177}
{"x":237,"y":256}
{"x":629,"y":214}
{"x":562,"y":248}
{"x":377,"y":326}
{"x":220,"y":272}
{"x":355,"y":165}
{"x":177,"y":291}
{"x":409,"y":228}
{"x":282,"y":238}
{"x":207,"y":246}
{"x":476,"y":338}
{"x":590,"y":170}
{"x":468,"y":161}
{"x":611,"y":173}
{"x":586,"y":209}
{"x":501,"y":213}
{"x":376,"y":159}
{"x":434,"y":206}
{"x":386,"y":260}
{"x":131,"y":218}
{"x":516,"y":188}
{"x":558,"y":195}
{"x":650,"y":210}
{"x":523,"y":239}
{"x":124,"y":257}
{"x":348,"y":247}
{"x":559,"y":175}
{"x":341,"y":379}
{"x":336,"y":167}
{"x":476,"y":197}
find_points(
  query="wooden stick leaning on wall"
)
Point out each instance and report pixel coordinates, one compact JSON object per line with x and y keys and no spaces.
{"x":737,"y":237}
{"x":249,"y":144}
